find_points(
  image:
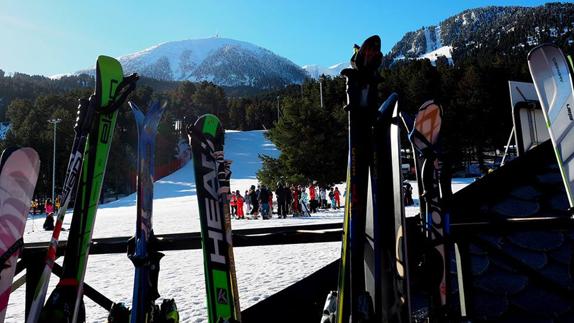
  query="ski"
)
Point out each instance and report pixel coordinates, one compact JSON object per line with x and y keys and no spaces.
{"x":354,"y":302}
{"x":18,"y":176}
{"x":112,"y":89}
{"x":207,"y":140}
{"x":424,"y":138}
{"x":81,"y":129}
{"x":553,"y":82}
{"x":224,"y":177}
{"x":386,"y":231}
{"x":142,"y":249}
{"x":408,"y":122}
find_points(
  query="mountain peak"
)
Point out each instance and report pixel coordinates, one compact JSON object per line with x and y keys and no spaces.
{"x":223,"y":61}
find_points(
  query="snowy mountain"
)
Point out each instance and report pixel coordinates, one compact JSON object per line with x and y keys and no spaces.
{"x":315,"y":71}
{"x":225,"y":62}
{"x":511,"y":30}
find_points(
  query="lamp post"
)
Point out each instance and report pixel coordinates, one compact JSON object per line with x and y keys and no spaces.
{"x":55,"y":122}
{"x":321,"y":90}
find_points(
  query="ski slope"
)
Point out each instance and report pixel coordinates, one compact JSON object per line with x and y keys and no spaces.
{"x":261,"y":271}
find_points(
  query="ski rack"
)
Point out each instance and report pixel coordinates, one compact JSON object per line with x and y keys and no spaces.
{"x":32,"y":259}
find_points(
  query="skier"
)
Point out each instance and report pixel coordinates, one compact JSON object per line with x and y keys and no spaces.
{"x":295,"y":204}
{"x":264,"y":202}
{"x":323,"y":197}
{"x":313,"y":196}
{"x":57,"y":202}
{"x":332,"y":198}
{"x":270,"y":203}
{"x":281,"y":194}
{"x":304,"y":200}
{"x":49,"y":222}
{"x":49,"y":207}
{"x":34,"y":206}
{"x":240,"y":201}
{"x":337,"y":196}
{"x":288,"y":200}
{"x":254,"y":202}
{"x":408,"y":193}
{"x":248,"y":202}
{"x":233,"y":204}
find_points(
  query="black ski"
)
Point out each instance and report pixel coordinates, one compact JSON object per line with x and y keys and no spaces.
{"x":354,"y":302}
{"x":387,"y":237}
{"x":424,"y":138}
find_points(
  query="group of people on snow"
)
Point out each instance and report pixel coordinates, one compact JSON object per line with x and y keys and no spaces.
{"x":292,"y":199}
{"x":49,"y":208}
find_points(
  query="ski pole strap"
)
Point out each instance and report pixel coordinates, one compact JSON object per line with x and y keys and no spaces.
{"x":126,"y":86}
{"x":13,"y":249}
{"x":425,"y":147}
{"x":84,"y":115}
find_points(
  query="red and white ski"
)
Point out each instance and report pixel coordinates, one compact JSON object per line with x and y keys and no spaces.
{"x":18,"y":178}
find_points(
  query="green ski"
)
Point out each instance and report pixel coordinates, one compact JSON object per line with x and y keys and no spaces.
{"x":111,"y":91}
{"x":212,"y":183}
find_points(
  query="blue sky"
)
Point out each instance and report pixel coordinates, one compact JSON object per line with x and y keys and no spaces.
{"x":59,"y":36}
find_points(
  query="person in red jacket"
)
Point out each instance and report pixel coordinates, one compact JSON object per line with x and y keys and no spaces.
{"x":49,"y":221}
{"x":233,"y":204}
{"x":337,"y":197}
{"x":239,"y":200}
{"x":313,"y":198}
{"x":270,"y":203}
{"x":295,"y":194}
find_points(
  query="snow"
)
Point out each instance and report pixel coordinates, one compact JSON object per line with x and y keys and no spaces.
{"x":261,"y":270}
{"x":191,"y":52}
{"x":445,"y":51}
{"x":438,"y":37}
{"x":210,"y":59}
{"x":315,"y":71}
{"x":59,"y":76}
{"x":430,"y":44}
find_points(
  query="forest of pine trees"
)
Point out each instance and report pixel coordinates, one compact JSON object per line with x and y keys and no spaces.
{"x":312,"y":139}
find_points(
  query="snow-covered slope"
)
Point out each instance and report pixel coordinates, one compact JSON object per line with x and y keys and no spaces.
{"x":425,"y":43}
{"x":261,"y":270}
{"x":315,"y":71}
{"x":223,"y":61}
{"x":444,"y":51}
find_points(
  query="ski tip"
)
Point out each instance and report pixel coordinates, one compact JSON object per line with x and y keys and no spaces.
{"x":109,"y":76}
{"x":133,"y":106}
{"x":368,"y":57}
{"x":387,"y":108}
{"x":157,"y":106}
{"x":208,"y":124}
{"x":107,"y":59}
{"x":431,"y":105}
{"x":541,"y":47}
{"x":390,"y":101}
{"x":6,"y":154}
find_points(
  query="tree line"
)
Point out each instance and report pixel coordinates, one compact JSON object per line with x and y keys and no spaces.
{"x":312,"y":139}
{"x":474,"y":94}
{"x":28,"y":102}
